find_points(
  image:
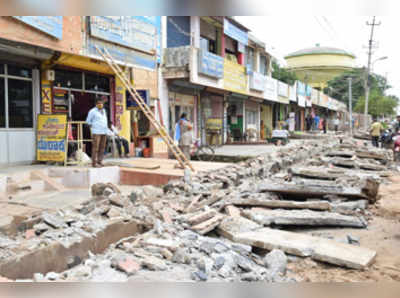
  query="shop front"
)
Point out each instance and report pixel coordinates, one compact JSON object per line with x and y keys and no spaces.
{"x":19,"y":101}
{"x":252,"y":121}
{"x":212,"y":118}
{"x":235,"y":118}
{"x":266,"y":120}
{"x":180,"y":103}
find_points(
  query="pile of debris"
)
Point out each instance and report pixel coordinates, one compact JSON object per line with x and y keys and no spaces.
{"x":233,"y":224}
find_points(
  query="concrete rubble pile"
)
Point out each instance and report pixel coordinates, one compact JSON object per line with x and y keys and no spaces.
{"x":233,"y":224}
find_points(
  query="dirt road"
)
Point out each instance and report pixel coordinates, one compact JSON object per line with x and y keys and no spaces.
{"x":382,"y":235}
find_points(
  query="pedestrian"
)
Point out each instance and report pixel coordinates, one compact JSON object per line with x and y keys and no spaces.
{"x":97,"y":120}
{"x":316,"y":122}
{"x":324,"y":124}
{"x":309,"y":122}
{"x":375,"y":131}
{"x":120,"y":141}
{"x":72,"y":145}
{"x":262,"y":130}
{"x":183,"y":134}
{"x":336,"y":122}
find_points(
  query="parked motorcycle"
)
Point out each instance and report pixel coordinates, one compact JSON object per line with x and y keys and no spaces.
{"x":387,"y":139}
{"x":396,"y":151}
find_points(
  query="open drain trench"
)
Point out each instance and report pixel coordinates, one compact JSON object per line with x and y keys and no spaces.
{"x":60,"y":241}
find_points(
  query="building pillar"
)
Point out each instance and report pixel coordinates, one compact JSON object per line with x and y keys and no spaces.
{"x":195,"y":31}
{"x":241,"y":58}
{"x":222,"y":44}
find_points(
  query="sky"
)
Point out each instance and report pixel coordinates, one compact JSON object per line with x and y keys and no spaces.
{"x":286,"y":34}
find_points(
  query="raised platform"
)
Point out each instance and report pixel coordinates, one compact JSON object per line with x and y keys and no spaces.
{"x":155,"y":171}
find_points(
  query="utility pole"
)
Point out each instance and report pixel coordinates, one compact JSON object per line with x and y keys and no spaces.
{"x":366,"y":85}
{"x":350,"y":107}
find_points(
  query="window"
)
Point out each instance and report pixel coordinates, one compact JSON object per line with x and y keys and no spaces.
{"x":250,"y":58}
{"x":18,"y":71}
{"x":2,"y":104}
{"x":208,"y":45}
{"x":68,"y":79}
{"x":263,"y":65}
{"x":20,"y":104}
{"x":251,"y":117}
{"x":95,"y":82}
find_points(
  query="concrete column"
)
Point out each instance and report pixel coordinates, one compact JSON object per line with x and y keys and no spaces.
{"x":195,"y":31}
{"x":162,"y":83}
{"x":257,"y":61}
{"x":222,"y":43}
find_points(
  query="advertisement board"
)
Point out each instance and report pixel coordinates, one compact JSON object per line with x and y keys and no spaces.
{"x":214,"y":124}
{"x":51,"y":25}
{"x":211,"y":65}
{"x":292,"y":93}
{"x":271,"y":89}
{"x":301,"y":88}
{"x":51,"y":133}
{"x":234,"y":32}
{"x":283,"y":89}
{"x":235,"y":78}
{"x":315,"y":97}
{"x":257,"y":81}
{"x":324,"y":100}
{"x":138,"y":32}
{"x":301,"y":101}
{"x":131,"y":103}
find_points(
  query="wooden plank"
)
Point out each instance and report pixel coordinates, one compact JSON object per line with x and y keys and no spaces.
{"x":303,"y":245}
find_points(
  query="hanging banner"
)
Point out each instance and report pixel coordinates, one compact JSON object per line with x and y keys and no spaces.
{"x":271,"y":89}
{"x":301,"y":101}
{"x":292,"y":93}
{"x":51,"y":135}
{"x":315,"y":97}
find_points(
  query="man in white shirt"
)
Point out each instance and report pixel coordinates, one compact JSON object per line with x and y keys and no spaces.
{"x":97,"y":120}
{"x":120,"y":141}
{"x":336,"y":122}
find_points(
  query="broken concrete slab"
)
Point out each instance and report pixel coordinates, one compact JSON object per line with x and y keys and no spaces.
{"x":268,"y":217}
{"x":53,"y":220}
{"x":232,"y":211}
{"x":320,"y":249}
{"x":203,"y":216}
{"x":233,"y":225}
{"x":208,"y":225}
{"x":164,"y":243}
{"x":285,"y":204}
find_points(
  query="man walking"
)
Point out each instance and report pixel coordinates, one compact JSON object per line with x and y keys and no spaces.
{"x":97,"y":120}
{"x":376,"y":130}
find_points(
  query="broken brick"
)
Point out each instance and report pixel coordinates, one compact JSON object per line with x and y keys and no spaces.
{"x":129,"y":266}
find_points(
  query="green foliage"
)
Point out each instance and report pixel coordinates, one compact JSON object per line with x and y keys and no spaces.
{"x":338,"y":87}
{"x":378,"y":104}
{"x":283,"y":74}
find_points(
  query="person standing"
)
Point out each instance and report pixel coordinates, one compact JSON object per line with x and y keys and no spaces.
{"x":184,"y":135}
{"x":97,"y":120}
{"x":376,"y":130}
{"x":324,"y":124}
{"x":309,"y":122}
{"x":316,"y":122}
{"x":336,"y":123}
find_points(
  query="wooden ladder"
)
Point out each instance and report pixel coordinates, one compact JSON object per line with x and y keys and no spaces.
{"x":183,"y":161}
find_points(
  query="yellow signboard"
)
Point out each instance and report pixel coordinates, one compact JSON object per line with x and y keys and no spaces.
{"x":51,"y":136}
{"x":235,"y":78}
{"x":214,"y":124}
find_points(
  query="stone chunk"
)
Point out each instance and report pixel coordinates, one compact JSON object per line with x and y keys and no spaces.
{"x":53,"y":221}
{"x":276,"y":262}
{"x":165,"y":243}
{"x":203,"y":216}
{"x":233,"y":225}
{"x":232,"y":211}
{"x":303,"y":218}
{"x":208,"y":225}
{"x":129,"y":266}
{"x":154,"y":264}
{"x":320,"y":249}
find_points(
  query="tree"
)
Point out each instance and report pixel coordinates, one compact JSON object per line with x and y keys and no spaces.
{"x":338,"y":87}
{"x":283,"y":74}
{"x":378,"y":104}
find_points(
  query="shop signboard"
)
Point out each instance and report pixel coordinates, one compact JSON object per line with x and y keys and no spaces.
{"x":308,"y":90}
{"x":301,"y":101}
{"x":271,"y":89}
{"x":315,"y":97}
{"x":214,"y":124}
{"x":131,"y":103}
{"x":324,"y":100}
{"x":301,"y":88}
{"x":51,"y":25}
{"x":292,"y":93}
{"x":60,"y":100}
{"x":283,"y":89}
{"x":234,"y":32}
{"x":211,"y":65}
{"x":235,"y":78}
{"x":257,"y":81}
{"x":138,"y":32}
{"x":51,"y":134}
